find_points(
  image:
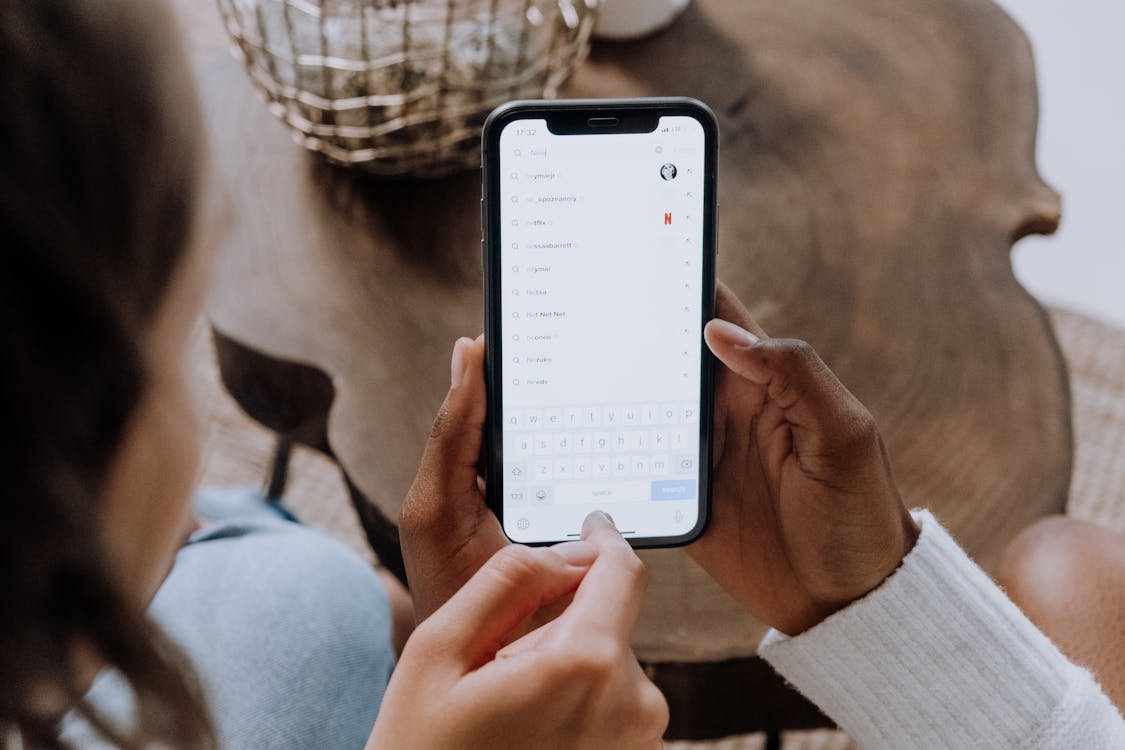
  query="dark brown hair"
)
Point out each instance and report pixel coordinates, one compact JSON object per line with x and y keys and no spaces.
{"x":99,"y":161}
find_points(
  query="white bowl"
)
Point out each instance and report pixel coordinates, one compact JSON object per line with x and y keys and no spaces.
{"x":631,"y":19}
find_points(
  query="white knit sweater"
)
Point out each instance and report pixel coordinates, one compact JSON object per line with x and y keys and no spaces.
{"x":939,"y":657}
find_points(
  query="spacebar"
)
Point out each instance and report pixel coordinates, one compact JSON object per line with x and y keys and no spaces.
{"x":570,"y":493}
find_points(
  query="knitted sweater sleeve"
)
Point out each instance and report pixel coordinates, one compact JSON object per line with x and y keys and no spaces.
{"x":939,"y":657}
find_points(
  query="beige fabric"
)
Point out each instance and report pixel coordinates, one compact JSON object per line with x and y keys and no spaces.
{"x":1095,"y":354}
{"x":238,"y":451}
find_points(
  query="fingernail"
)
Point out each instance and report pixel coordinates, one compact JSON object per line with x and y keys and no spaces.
{"x":731,"y":333}
{"x":580,"y":554}
{"x":457,"y":365}
{"x":597,"y":517}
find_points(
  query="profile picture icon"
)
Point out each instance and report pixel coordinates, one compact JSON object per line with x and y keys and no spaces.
{"x":668,"y":171}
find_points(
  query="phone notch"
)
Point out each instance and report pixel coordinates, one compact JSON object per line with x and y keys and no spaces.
{"x":584,"y":121}
{"x":603,"y":122}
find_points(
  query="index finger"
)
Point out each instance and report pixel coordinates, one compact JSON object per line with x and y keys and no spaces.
{"x":610,"y":595}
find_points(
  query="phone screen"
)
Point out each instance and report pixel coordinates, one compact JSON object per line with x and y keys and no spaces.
{"x":603,"y":290}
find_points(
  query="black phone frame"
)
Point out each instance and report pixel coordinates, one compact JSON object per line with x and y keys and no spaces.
{"x":573,"y":116}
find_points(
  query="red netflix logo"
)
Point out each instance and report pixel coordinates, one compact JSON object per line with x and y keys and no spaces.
{"x":667,"y":218}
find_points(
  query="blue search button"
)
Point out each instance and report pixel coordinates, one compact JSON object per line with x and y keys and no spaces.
{"x":673,"y":489}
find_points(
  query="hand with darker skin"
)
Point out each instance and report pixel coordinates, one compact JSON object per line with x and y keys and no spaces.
{"x":446,"y":529}
{"x":806,"y":516}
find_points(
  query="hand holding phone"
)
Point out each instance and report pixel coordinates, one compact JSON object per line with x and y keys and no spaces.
{"x":446,"y":531}
{"x":807,"y":516}
{"x":599,"y":242}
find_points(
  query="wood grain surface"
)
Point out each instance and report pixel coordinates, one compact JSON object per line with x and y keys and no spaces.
{"x":876,"y":165}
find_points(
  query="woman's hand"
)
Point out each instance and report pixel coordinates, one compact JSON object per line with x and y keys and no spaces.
{"x":572,"y":683}
{"x":806,"y":516}
{"x":447,"y":531}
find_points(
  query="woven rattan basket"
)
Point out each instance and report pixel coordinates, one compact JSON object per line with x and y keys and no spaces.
{"x":402,"y":87}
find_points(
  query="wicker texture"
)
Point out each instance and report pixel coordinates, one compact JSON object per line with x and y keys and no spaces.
{"x":402,"y":87}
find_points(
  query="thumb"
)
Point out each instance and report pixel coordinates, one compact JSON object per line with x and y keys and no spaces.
{"x":445,"y":529}
{"x":823,"y":413}
{"x":512,"y":586}
{"x":449,"y":462}
{"x":455,"y":440}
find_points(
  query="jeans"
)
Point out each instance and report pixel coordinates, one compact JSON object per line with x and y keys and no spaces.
{"x":288,"y":630}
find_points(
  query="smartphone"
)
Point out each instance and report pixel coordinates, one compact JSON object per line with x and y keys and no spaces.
{"x":599,"y":252}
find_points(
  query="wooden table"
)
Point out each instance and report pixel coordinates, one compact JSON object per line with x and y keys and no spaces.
{"x":877,"y":163}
